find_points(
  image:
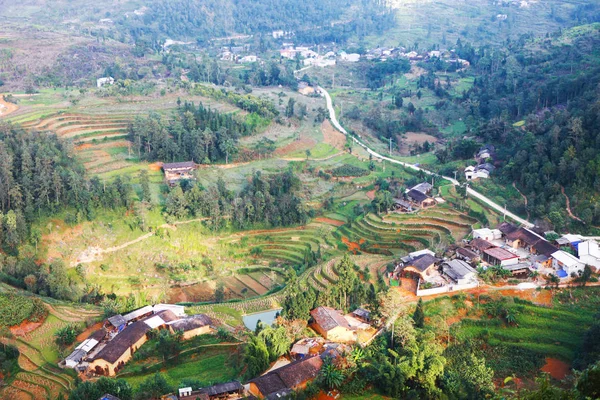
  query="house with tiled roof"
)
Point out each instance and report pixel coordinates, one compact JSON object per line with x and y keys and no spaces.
{"x":294,"y":376}
{"x":191,"y":326}
{"x":331,"y":324}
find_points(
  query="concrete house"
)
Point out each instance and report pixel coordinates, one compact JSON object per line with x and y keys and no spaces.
{"x":487,"y":234}
{"x":420,"y":199}
{"x":589,"y":253}
{"x":332,"y":325}
{"x":500,"y":256}
{"x":568,"y":263}
{"x":101,"y":82}
{"x":459,"y":271}
{"x":422,"y":265}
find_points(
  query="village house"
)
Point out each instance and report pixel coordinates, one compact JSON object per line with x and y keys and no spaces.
{"x":519,"y":269}
{"x":473,"y":173}
{"x":120,"y":350}
{"x":305,"y":89}
{"x":229,"y":390}
{"x":199,"y":324}
{"x":362,"y":314}
{"x":500,"y":256}
{"x":174,"y":172}
{"x":569,"y":240}
{"x":566,"y":264}
{"x":480,"y":245}
{"x":459,"y":271}
{"x":332,"y":325}
{"x":423,"y":265}
{"x":420,"y":199}
{"x":352,"y":57}
{"x":589,"y":253}
{"x":506,"y":228}
{"x":540,"y":261}
{"x":101,"y":82}
{"x":487,"y":234}
{"x":467,"y":255}
{"x":522,"y":238}
{"x":248,"y":59}
{"x":402,"y":205}
{"x":282,"y":381}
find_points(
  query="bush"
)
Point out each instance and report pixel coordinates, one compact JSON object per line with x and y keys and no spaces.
{"x":348,"y":170}
{"x":16,"y":309}
{"x":67,"y":335}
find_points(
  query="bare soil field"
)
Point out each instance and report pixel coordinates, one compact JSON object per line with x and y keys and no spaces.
{"x":414,"y":138}
{"x":332,"y":136}
{"x":6,"y":107}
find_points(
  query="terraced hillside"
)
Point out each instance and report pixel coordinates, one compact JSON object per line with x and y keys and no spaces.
{"x":40,"y":378}
{"x":398,"y":234}
{"x":286,"y":246}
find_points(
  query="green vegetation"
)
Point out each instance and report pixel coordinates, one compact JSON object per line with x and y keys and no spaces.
{"x":16,"y":309}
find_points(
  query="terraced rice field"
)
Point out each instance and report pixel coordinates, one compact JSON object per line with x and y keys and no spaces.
{"x":40,"y":378}
{"x":285,"y":246}
{"x":100,"y":140}
{"x":398,"y":234}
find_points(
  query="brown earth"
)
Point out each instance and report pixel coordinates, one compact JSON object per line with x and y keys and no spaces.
{"x":86,"y":333}
{"x":296,"y":145}
{"x":330,"y":221}
{"x":412,"y":138}
{"x":6,"y":107}
{"x":556,"y":368}
{"x":24,"y":328}
{"x":371,"y":194}
{"x":332,"y":136}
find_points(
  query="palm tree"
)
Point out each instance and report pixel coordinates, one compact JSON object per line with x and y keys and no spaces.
{"x":333,"y":377}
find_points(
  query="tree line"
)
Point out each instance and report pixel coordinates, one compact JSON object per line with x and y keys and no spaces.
{"x":269,"y":200}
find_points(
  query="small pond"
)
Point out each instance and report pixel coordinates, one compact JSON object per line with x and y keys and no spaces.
{"x":267,"y":317}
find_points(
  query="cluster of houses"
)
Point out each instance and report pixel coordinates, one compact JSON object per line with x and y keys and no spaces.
{"x":518,"y":250}
{"x":107,"y":350}
{"x":485,"y":158}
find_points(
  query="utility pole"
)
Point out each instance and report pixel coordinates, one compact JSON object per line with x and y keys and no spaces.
{"x":391,"y":146}
{"x":455,"y":174}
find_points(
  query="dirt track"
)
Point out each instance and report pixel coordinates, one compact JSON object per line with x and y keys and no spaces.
{"x":6,"y":107}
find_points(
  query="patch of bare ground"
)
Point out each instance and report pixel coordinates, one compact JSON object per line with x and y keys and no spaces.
{"x":415,"y":72}
{"x":411,"y":139}
{"x":6,"y":107}
{"x":332,"y":136}
{"x":296,"y":145}
{"x":556,"y":368}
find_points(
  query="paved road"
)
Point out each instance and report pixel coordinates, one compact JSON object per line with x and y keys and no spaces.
{"x":470,"y":191}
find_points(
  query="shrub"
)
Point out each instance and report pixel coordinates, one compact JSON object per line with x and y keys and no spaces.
{"x":66,"y":335}
{"x":348,"y":170}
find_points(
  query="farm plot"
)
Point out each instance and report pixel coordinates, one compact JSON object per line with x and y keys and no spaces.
{"x":40,"y":378}
{"x":286,"y":246}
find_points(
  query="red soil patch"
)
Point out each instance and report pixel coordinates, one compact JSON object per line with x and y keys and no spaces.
{"x":371,"y":194}
{"x":24,"y":328}
{"x":330,"y":221}
{"x":352,"y":246}
{"x":332,"y":136}
{"x":6,"y":107}
{"x":296,"y":145}
{"x":155,"y":166}
{"x":83,"y":147}
{"x":556,"y":368}
{"x":543,"y":297}
{"x":85,"y":334}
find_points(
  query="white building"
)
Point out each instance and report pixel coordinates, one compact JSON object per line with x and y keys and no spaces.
{"x":176,"y":309}
{"x":459,"y":271}
{"x":109,"y":80}
{"x":589,"y":253}
{"x":472,"y":173}
{"x":561,"y":260}
{"x":249,"y":59}
{"x":487,"y":234}
{"x":352,"y":57}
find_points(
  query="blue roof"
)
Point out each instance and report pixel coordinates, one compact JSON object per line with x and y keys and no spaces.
{"x":561,"y":273}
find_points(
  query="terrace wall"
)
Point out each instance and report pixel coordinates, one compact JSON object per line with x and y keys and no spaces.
{"x":445,"y":289}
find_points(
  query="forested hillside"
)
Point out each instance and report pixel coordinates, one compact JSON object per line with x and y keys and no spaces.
{"x":552,"y":85}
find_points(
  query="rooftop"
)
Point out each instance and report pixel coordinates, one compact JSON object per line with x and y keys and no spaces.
{"x":222,"y":388}
{"x":191,"y":323}
{"x":423,"y":262}
{"x":329,"y":318}
{"x":545,"y":247}
{"x":457,"y":269}
{"x":424,"y":187}
{"x":138,"y":313}
{"x":466,"y":253}
{"x":480,"y":244}
{"x":524,"y":235}
{"x":289,"y":376}
{"x":122,"y":342}
{"x":500,"y":254}
{"x":507,"y":227}
{"x":566,"y":259}
{"x":417,"y":195}
{"x":117,"y":320}
{"x":179,"y":165}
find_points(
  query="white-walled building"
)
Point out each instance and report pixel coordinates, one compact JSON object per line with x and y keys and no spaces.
{"x":589,"y":253}
{"x":487,"y":234}
{"x":561,"y":260}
